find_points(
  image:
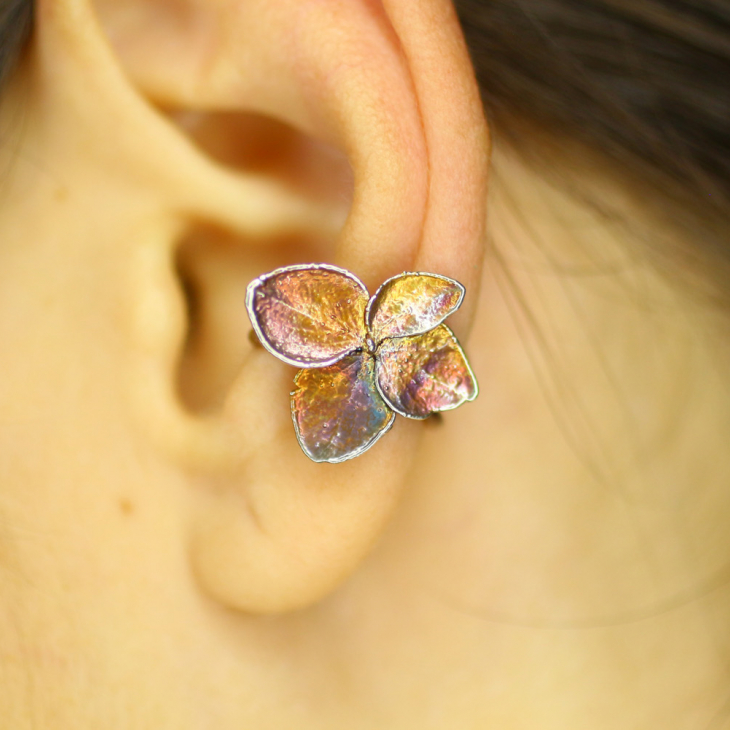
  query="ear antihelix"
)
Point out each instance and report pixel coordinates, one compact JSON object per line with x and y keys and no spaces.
{"x":331,"y":70}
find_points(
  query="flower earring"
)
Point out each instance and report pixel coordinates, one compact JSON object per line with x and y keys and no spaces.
{"x":363,"y":358}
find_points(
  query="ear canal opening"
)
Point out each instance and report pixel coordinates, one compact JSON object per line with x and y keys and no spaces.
{"x":214,"y":268}
{"x":214,"y":263}
{"x":208,"y":357}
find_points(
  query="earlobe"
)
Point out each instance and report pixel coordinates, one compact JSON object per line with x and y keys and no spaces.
{"x":391,"y":87}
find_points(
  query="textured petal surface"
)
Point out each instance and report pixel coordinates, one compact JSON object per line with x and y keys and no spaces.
{"x":411,"y":304}
{"x":337,"y":411}
{"x":424,"y":374}
{"x":308,"y":315}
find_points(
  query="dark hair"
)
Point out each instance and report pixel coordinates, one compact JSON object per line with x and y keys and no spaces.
{"x":646,"y":82}
{"x":643,"y":81}
{"x":16,"y":21}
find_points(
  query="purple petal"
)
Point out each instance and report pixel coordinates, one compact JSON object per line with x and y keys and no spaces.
{"x":424,"y":374}
{"x":337,"y":411}
{"x":310,"y":316}
{"x":411,"y":304}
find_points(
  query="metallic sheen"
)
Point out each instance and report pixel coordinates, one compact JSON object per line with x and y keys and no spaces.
{"x":310,"y":316}
{"x":425,"y":374}
{"x":362,"y":359}
{"x":338,"y":413}
{"x":410,"y":304}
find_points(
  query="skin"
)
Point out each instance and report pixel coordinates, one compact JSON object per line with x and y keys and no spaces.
{"x":551,"y":556}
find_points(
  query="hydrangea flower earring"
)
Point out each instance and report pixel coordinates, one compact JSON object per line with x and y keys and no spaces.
{"x":363,"y":358}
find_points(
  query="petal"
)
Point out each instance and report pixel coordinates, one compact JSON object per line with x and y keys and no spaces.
{"x":420,"y":375}
{"x":310,"y":315}
{"x":411,"y":304}
{"x":337,"y":411}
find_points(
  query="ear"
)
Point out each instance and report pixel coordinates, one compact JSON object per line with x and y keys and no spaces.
{"x":388,"y":90}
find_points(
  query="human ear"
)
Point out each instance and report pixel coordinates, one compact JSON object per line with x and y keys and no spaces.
{"x":388,"y":86}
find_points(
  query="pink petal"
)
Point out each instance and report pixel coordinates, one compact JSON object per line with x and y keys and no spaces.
{"x":337,"y":411}
{"x":310,"y":316}
{"x":424,"y":374}
{"x":410,"y":304}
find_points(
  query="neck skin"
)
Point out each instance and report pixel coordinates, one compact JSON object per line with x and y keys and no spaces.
{"x":558,"y":559}
{"x":568,"y":534}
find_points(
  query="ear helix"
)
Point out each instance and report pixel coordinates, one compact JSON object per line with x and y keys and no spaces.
{"x":457,"y":137}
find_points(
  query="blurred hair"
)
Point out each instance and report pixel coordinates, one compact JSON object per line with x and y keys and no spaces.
{"x":645,"y":82}
{"x":16,"y":21}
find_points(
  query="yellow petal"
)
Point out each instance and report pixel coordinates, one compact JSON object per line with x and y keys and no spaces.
{"x":410,"y":304}
{"x":338,"y":413}
{"x":424,"y":374}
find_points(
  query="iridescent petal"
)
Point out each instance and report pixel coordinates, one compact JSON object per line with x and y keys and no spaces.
{"x":310,"y":316}
{"x":410,"y":304}
{"x":337,"y":411}
{"x":420,"y":375}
